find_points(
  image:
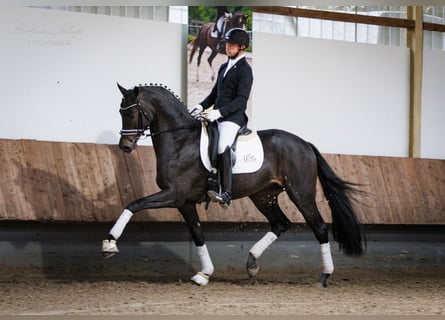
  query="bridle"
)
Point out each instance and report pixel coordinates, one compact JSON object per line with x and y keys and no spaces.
{"x":140,"y":131}
{"x":142,"y":114}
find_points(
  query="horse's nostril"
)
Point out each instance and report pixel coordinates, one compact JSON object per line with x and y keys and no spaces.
{"x":126,"y":149}
{"x":127,"y":145}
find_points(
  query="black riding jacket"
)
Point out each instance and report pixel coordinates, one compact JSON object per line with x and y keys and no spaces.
{"x":231,"y":92}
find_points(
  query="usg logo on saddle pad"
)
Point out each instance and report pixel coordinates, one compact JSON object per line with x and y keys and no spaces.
{"x":249,"y":153}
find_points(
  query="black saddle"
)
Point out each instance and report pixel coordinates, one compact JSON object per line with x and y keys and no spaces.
{"x":213,"y":133}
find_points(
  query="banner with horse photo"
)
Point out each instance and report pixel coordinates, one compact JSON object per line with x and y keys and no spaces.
{"x":206,"y":48}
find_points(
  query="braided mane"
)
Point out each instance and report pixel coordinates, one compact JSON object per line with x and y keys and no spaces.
{"x":160,"y":85}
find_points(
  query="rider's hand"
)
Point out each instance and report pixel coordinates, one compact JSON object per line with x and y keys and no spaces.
{"x":212,"y":115}
{"x":195,"y":110}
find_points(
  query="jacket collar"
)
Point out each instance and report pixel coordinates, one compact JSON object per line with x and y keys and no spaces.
{"x":233,"y":64}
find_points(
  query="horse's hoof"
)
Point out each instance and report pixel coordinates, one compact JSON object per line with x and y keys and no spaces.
{"x":324,"y":279}
{"x":200,"y":279}
{"x":252,"y":272}
{"x":109,"y":248}
{"x":252,"y":267}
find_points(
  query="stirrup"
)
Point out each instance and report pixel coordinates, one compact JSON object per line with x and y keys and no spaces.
{"x":221,"y":198}
{"x":214,"y":196}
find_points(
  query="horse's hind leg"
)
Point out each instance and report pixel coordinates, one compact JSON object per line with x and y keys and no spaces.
{"x":191,"y":218}
{"x":267,"y":202}
{"x":305,"y":201}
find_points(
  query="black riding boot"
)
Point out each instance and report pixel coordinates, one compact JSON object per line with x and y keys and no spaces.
{"x":219,"y":44}
{"x":225,"y":167}
{"x":226,"y":176}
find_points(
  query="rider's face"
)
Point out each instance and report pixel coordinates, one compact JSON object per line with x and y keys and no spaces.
{"x":232,"y":49}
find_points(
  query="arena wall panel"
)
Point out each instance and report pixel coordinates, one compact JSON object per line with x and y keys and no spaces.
{"x":85,"y":182}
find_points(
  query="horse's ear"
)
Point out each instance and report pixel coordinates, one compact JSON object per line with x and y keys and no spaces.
{"x":122,"y":89}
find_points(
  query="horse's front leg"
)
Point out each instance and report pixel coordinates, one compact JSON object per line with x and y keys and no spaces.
{"x":191,"y":218}
{"x":198,"y":60}
{"x":162,"y":199}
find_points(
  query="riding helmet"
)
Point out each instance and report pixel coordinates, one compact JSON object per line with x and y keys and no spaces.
{"x":238,"y":36}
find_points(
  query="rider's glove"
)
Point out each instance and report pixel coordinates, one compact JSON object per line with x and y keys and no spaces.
{"x":195,"y":110}
{"x":212,"y":115}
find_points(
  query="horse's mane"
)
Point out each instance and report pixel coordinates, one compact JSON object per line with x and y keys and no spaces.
{"x":162,"y":87}
{"x":173,"y":99}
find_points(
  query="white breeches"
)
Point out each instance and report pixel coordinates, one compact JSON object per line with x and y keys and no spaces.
{"x":227,"y":134}
{"x":219,"y":24}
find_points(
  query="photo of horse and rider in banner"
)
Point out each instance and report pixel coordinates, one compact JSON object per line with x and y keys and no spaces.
{"x":206,"y":47}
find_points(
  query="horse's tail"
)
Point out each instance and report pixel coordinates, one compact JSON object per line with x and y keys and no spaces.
{"x":346,"y":227}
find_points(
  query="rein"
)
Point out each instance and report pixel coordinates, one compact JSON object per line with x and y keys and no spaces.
{"x":154,"y":134}
{"x":141,"y":131}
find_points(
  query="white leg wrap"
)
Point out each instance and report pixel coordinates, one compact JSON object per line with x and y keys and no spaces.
{"x":326,"y":258}
{"x":120,"y":224}
{"x":259,"y":247}
{"x":206,"y":262}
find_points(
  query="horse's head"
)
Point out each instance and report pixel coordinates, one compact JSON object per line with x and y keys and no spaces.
{"x":135,"y":119}
{"x":153,"y":107}
{"x":238,"y":20}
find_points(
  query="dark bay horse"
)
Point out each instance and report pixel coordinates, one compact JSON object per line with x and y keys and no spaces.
{"x":204,"y":39}
{"x":291,"y":165}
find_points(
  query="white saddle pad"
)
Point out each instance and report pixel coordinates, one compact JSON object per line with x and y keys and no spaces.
{"x":249,"y":152}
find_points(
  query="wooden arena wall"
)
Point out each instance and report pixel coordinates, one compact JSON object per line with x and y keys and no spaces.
{"x":82,"y":182}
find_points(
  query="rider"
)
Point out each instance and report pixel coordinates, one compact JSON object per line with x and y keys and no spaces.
{"x":229,"y":100}
{"x":222,"y":12}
